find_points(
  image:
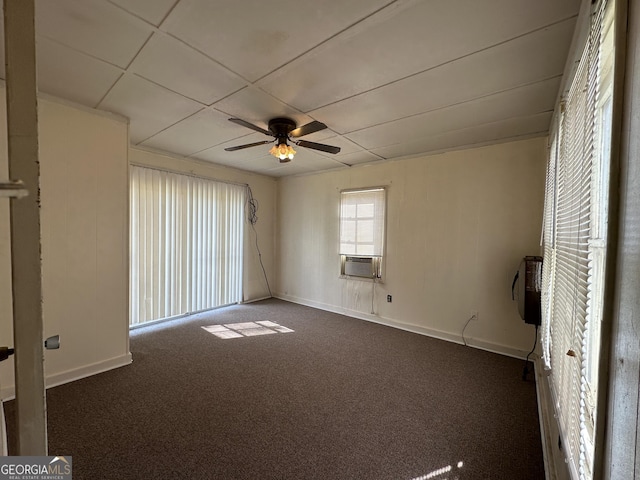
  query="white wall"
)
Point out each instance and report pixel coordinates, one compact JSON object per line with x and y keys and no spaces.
{"x":264,"y":191}
{"x":457,"y":226}
{"x":84,"y":234}
{"x":85,"y":238}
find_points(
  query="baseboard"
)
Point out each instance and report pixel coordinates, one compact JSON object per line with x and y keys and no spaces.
{"x":430,"y":332}
{"x":253,"y":300}
{"x":8,"y":392}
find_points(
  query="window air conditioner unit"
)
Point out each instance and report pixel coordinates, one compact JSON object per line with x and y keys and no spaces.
{"x":360,"y":267}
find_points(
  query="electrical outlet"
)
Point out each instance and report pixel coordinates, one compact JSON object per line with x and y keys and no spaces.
{"x":474,"y":315}
{"x":389,"y":298}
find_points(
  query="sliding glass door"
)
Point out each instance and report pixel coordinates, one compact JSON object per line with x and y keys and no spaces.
{"x":186,"y":244}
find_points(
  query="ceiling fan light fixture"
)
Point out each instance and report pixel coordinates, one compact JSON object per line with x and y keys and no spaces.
{"x":283,"y":151}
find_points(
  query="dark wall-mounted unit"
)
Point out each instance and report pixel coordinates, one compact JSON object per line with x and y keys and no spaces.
{"x":528,"y":281}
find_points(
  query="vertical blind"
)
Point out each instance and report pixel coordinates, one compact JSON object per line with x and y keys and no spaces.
{"x":186,"y":244}
{"x":569,"y":299}
{"x":362,"y":222}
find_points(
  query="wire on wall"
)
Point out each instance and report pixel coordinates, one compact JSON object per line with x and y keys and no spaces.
{"x":464,"y":340}
{"x":525,"y":371}
{"x":373,"y":295}
{"x":252,"y":217}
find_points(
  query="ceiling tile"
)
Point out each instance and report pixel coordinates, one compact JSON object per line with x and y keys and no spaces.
{"x":255,"y":106}
{"x":153,"y":11}
{"x":346,"y":146}
{"x":94,"y":27}
{"x":253,"y":37}
{"x":236,"y":164}
{"x":510,"y":129}
{"x":355,"y":158}
{"x":252,"y":159}
{"x":174,"y":65}
{"x":72,"y":75}
{"x":249,"y":164}
{"x":320,"y":136}
{"x":304,"y":162}
{"x":417,"y":38}
{"x":527,"y":59}
{"x":519,"y":102}
{"x":197,"y":132}
{"x":218,"y":154}
{"x":149,"y":107}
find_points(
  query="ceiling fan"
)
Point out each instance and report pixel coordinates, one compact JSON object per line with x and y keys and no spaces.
{"x":284,"y":129}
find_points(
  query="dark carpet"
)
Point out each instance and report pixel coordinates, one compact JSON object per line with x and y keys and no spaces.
{"x":339,"y":398}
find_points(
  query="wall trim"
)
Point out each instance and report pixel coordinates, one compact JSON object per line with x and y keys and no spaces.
{"x":8,"y":392}
{"x":429,"y":332}
{"x":253,"y":300}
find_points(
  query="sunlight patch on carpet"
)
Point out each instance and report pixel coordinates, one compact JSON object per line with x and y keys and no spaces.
{"x":440,"y":472}
{"x":246,"y":329}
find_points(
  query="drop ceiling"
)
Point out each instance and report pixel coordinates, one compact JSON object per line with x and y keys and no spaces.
{"x":391,"y":79}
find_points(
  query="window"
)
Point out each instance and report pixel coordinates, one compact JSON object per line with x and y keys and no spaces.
{"x":574,"y":237}
{"x":186,"y":244}
{"x":362,"y":228}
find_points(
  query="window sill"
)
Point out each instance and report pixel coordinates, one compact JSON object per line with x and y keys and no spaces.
{"x":362,"y":279}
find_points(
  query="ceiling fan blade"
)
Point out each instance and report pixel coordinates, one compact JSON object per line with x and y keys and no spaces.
{"x":318,"y":146}
{"x":248,"y":145}
{"x":239,"y":121}
{"x":310,"y":127}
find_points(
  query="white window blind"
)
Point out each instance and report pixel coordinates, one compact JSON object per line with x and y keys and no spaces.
{"x":186,"y":244}
{"x":548,"y":241}
{"x":362,"y":218}
{"x":575,"y":189}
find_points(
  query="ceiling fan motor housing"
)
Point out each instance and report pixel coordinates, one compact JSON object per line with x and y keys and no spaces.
{"x":281,"y":127}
